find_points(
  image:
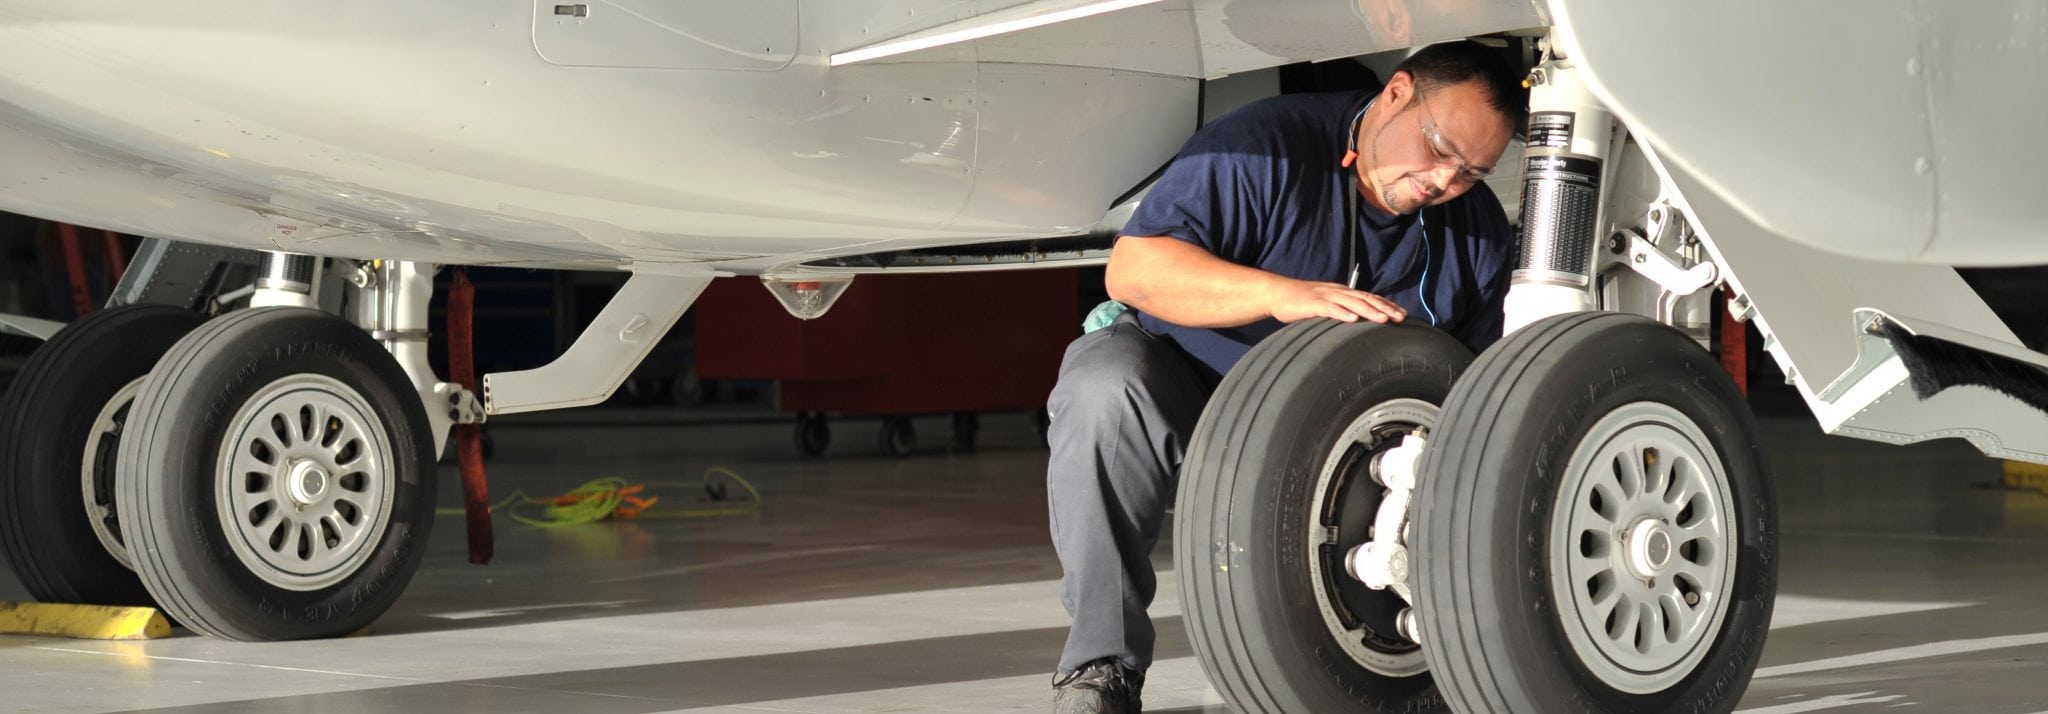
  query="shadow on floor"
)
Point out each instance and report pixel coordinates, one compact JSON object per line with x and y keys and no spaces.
{"x":720,"y":682}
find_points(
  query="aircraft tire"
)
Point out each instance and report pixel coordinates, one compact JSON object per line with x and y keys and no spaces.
{"x":59,"y":427}
{"x":1595,"y":530}
{"x":1275,"y":489}
{"x":278,"y":479}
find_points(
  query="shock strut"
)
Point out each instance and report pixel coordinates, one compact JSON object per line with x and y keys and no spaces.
{"x":1569,"y":136}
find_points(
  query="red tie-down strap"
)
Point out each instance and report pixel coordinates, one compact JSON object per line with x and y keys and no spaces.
{"x":469,"y":438}
{"x":1735,"y":347}
{"x":117,"y":258}
{"x":74,"y":269}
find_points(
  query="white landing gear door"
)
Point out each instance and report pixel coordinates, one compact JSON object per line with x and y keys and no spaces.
{"x":623,"y":333}
{"x":1816,"y":311}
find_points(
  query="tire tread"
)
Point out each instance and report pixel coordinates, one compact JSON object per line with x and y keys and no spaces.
{"x":22,"y":413}
{"x":1209,"y":504}
{"x":152,"y":525}
{"x":1461,"y":645}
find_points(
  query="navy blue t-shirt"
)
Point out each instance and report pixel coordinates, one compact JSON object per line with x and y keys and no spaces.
{"x":1262,"y":186}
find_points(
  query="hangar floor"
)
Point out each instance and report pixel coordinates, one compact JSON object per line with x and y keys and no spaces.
{"x":870,"y":584}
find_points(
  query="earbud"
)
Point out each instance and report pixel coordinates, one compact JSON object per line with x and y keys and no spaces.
{"x":1351,"y":137}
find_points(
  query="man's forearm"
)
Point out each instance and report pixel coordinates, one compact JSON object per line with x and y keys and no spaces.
{"x":1183,"y":284}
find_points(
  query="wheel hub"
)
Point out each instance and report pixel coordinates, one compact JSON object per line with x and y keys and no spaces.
{"x":1642,"y":552}
{"x":96,"y":476}
{"x":305,"y":482}
{"x":1649,"y":548}
{"x":1346,"y":501}
{"x":308,"y":482}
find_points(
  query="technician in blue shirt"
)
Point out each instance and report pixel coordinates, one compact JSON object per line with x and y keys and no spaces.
{"x":1347,"y":205}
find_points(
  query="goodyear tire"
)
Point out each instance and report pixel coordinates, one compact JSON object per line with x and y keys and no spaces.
{"x":59,"y":429}
{"x":277,"y":480}
{"x":1595,"y":531}
{"x":1276,"y":488}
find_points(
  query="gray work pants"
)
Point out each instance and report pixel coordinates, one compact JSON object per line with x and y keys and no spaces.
{"x":1122,"y":412}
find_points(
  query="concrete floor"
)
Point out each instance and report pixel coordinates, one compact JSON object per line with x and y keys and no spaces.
{"x":869,"y":584}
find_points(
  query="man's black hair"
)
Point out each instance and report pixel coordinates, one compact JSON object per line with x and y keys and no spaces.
{"x":1449,"y":63}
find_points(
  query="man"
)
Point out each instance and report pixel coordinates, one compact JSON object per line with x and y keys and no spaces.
{"x":1350,"y":206}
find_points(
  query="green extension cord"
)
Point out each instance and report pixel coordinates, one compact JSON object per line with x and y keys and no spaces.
{"x":599,"y":499}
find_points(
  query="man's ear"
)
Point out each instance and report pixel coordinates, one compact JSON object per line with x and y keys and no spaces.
{"x":1399,"y":90}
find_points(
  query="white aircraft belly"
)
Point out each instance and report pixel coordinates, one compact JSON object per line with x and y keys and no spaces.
{"x":436,"y":131}
{"x":1898,"y":130}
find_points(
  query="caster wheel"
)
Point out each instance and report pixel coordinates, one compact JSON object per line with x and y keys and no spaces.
{"x":899,"y":439}
{"x":966,"y":429}
{"x":813,"y":435}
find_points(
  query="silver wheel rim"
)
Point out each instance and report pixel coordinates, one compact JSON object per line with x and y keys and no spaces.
{"x":305,"y":485}
{"x":99,"y":502}
{"x":1642,"y":548}
{"x":1405,"y":415}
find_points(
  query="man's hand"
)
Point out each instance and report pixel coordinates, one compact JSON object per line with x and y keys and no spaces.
{"x":1296,"y":300}
{"x":1183,"y":284}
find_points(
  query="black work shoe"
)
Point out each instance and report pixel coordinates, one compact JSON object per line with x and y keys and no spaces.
{"x":1103,"y":686}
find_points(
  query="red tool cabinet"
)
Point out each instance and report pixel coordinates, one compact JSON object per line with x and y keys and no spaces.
{"x":896,"y":346}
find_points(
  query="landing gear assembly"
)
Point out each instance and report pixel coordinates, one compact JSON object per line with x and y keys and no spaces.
{"x":268,"y":474}
{"x":1371,"y":520}
{"x":1358,"y":534}
{"x":265,"y":475}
